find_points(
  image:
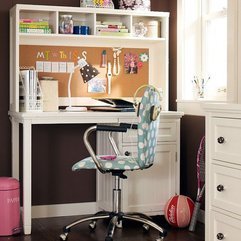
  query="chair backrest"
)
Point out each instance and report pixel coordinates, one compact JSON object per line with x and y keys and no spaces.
{"x":148,"y":128}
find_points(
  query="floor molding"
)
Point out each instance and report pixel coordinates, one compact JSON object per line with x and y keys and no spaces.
{"x":57,"y":210}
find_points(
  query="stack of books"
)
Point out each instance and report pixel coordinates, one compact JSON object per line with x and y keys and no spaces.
{"x":109,"y":28}
{"x":30,"y":96}
{"x":30,"y":25}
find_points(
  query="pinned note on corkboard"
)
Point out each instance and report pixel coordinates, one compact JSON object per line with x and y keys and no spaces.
{"x":59,"y":61}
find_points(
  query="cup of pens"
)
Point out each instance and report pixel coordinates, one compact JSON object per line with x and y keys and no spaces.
{"x":199,"y":87}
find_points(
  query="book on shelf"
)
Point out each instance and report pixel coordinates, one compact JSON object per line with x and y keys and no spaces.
{"x":35,"y":30}
{"x":46,"y":23}
{"x":110,"y":26}
{"x":111,"y":23}
{"x":113,"y":34}
{"x":112,"y":30}
{"x":34,"y":26}
{"x":34,"y":23}
{"x":32,"y":20}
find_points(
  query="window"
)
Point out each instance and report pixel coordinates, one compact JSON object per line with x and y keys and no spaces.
{"x":215,"y":48}
{"x":202,"y":50}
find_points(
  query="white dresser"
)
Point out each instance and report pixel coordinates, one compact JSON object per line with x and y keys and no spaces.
{"x":223,"y":172}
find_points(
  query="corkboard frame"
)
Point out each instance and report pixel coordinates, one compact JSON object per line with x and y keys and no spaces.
{"x":123,"y":85}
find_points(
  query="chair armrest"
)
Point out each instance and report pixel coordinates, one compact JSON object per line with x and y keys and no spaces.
{"x":90,"y":149}
{"x":111,"y":128}
{"x":129,"y":126}
{"x":122,"y":127}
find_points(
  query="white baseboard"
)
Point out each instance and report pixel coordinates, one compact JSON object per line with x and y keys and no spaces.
{"x":72,"y":209}
{"x":57,"y":210}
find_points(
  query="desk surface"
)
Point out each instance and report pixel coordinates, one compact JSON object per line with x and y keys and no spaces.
{"x":81,"y":117}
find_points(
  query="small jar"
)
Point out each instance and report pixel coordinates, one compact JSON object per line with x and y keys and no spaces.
{"x":66,"y":24}
{"x":152,"y":29}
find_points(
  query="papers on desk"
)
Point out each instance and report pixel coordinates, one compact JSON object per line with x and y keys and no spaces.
{"x":105,"y":104}
{"x":120,"y":105}
{"x":111,"y":109}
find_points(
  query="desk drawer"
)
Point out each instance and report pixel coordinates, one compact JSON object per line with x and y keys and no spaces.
{"x":226,"y":140}
{"x":167,"y":132}
{"x":225,"y":188}
{"x":224,"y":226}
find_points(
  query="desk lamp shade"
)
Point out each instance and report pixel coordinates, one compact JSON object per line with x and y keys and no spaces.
{"x":87,"y":71}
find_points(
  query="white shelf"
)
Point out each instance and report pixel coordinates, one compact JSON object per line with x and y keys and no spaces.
{"x":85,"y":40}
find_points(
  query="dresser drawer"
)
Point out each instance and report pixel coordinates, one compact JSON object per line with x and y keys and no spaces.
{"x":226,"y":140}
{"x":225,"y":186}
{"x":224,"y":226}
{"x":167,"y":132}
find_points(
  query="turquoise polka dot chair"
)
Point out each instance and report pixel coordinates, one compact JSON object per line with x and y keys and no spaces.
{"x":147,"y":130}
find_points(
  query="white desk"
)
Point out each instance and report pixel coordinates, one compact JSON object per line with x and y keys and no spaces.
{"x":29,"y":119}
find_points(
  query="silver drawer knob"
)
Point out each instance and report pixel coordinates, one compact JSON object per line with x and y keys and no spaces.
{"x":220,"y":236}
{"x":220,"y":188}
{"x":221,"y":140}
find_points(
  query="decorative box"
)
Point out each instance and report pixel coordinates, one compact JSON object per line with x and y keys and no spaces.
{"x":49,"y":88}
{"x":97,"y":3}
{"x":143,"y":5}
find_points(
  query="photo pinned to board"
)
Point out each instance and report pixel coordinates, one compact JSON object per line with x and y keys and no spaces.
{"x":134,"y":62}
{"x":99,"y":83}
{"x":130,"y":63}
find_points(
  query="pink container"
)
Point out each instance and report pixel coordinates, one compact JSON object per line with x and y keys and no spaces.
{"x":9,"y":206}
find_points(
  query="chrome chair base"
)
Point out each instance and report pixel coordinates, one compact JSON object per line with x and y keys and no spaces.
{"x":115,"y":222}
{"x":116,"y":217}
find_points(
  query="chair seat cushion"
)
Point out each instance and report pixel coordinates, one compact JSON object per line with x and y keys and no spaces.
{"x":108,"y":163}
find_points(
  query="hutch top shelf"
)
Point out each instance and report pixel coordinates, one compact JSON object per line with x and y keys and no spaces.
{"x":89,"y":17}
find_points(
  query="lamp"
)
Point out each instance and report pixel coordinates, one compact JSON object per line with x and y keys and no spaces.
{"x":88,"y":72}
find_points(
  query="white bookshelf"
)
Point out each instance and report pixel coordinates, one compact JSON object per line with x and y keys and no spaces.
{"x":158,"y":47}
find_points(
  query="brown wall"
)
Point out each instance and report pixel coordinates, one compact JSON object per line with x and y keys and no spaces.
{"x":57,"y":147}
{"x":192,"y":130}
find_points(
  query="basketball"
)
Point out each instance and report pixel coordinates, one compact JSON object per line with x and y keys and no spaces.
{"x":178,"y":211}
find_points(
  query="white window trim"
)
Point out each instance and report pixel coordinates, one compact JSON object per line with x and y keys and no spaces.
{"x":194,"y":107}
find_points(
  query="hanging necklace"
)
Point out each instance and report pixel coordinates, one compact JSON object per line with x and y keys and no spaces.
{"x":116,"y":64}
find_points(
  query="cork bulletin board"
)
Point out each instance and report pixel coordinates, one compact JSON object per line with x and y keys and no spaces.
{"x":57,"y":61}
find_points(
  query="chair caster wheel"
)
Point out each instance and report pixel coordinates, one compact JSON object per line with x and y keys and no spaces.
{"x":63,"y":236}
{"x":160,"y":239}
{"x":108,"y":239}
{"x":92,"y":225}
{"x":119,"y":224}
{"x":146,"y":228}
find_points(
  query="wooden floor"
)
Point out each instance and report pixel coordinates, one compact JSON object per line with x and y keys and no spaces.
{"x":49,"y":229}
